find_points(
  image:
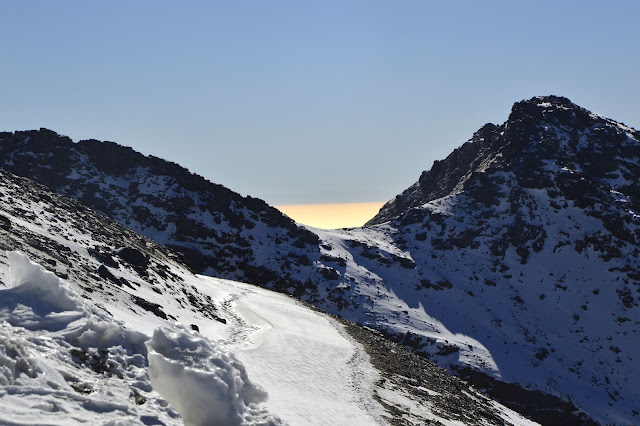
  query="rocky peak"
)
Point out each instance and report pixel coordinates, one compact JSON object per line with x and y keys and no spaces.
{"x":537,"y":107}
{"x":539,"y":131}
{"x":534,"y":225}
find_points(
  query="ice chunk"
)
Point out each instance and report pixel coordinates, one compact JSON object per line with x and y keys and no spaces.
{"x":30,"y":280}
{"x":37,"y":299}
{"x":206,"y":384}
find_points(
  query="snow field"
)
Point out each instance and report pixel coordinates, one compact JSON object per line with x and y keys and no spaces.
{"x":383,"y":304}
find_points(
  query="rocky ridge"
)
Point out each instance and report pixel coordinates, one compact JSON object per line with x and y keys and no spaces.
{"x":213,"y":229}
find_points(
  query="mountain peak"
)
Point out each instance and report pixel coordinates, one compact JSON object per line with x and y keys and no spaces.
{"x":550,"y":100}
{"x":549,"y":109}
{"x":543,"y":210}
{"x":543,"y":103}
{"x":543,"y":128}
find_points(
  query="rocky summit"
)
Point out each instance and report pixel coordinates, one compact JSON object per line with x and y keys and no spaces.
{"x":513,"y":262}
{"x":538,"y":130}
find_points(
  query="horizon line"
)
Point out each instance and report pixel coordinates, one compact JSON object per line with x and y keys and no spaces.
{"x":332,"y":215}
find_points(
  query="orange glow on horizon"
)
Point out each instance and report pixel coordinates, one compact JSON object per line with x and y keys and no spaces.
{"x":332,"y":216}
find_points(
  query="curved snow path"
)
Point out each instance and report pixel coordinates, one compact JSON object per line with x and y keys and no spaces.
{"x":312,"y":369}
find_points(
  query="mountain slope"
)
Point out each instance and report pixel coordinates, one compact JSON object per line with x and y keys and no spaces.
{"x":527,"y":239}
{"x":215,"y":230}
{"x":513,"y":262}
{"x":119,"y":331}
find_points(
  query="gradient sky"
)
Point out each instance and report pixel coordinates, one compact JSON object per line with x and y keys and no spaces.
{"x":308,"y":102}
{"x":332,"y":216}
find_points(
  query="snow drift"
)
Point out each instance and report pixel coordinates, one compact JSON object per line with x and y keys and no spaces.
{"x":206,"y":384}
{"x":63,"y":361}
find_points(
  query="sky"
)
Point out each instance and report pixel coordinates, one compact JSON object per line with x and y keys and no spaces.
{"x":302,"y":102}
{"x":332,"y":216}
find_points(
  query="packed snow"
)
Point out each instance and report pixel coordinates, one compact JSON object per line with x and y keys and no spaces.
{"x":316,"y":373}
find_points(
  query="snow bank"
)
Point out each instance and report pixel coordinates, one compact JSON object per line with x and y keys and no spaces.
{"x":206,"y":384}
{"x":64,"y":361}
{"x":37,"y":299}
{"x":105,"y":334}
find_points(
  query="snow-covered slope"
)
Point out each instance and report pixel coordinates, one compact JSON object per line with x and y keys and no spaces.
{"x":64,"y":361}
{"x":215,"y":230}
{"x":513,"y":262}
{"x":117,"y":331}
{"x":526,"y":239}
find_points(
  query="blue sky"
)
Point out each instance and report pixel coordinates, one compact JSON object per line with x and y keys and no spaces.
{"x":308,"y":102}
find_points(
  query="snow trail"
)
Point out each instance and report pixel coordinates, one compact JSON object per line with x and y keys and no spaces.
{"x":314,"y":372}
